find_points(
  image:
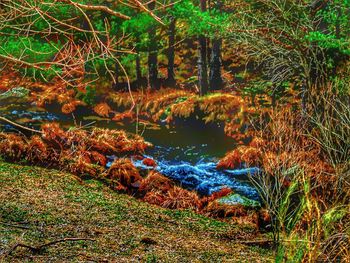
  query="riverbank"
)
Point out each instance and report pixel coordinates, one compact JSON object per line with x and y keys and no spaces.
{"x":39,"y":205}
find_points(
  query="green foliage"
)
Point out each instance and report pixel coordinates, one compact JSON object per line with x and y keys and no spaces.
{"x":210,"y":23}
{"x":52,"y":38}
{"x":330,"y":41}
{"x":90,"y":96}
{"x":33,"y":50}
{"x":292,"y":41}
{"x":151,"y":258}
{"x":256,"y":88}
{"x":262,"y":87}
{"x":285,"y":256}
{"x":139,"y":24}
{"x":332,"y":216}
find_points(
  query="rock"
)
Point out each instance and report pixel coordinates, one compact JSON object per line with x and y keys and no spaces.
{"x":245,"y":171}
{"x":18,"y":92}
{"x":235,"y":199}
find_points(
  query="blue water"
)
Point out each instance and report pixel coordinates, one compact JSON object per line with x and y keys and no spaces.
{"x":35,"y":116}
{"x":201,"y":176}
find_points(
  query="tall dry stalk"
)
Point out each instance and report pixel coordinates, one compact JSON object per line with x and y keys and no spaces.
{"x":309,"y":218}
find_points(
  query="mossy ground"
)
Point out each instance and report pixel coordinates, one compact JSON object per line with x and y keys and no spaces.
{"x":49,"y":205}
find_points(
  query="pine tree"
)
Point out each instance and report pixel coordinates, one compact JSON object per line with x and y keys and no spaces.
{"x":152,"y":54}
{"x":202,"y":58}
{"x":171,"y":52}
{"x":215,"y":78}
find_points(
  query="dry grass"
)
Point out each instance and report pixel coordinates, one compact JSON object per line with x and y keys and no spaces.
{"x":246,"y":155}
{"x":124,"y":173}
{"x":302,"y":165}
{"x":76,"y":150}
{"x":52,"y":205}
{"x":156,"y":182}
{"x":159,"y":190}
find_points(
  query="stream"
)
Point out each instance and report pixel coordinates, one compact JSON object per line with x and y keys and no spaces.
{"x":186,"y":151}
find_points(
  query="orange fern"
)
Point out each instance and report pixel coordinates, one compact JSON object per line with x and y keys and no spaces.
{"x":103,"y":109}
{"x":124,"y":173}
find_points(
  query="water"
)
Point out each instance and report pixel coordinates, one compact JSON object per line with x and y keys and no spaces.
{"x":203,"y":176}
{"x":186,"y":151}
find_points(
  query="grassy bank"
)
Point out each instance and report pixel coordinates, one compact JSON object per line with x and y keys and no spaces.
{"x":39,"y":205}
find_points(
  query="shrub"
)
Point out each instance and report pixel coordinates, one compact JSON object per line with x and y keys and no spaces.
{"x":124,"y":174}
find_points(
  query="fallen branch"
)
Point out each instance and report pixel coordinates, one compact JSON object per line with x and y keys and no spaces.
{"x":40,"y":248}
{"x":14,"y":225}
{"x":19,"y":125}
{"x":254,"y":242}
{"x":269,"y":241}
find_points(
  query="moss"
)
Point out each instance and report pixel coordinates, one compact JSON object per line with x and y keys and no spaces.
{"x":13,"y":212}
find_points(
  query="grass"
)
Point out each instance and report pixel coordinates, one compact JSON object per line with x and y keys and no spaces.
{"x":39,"y":205}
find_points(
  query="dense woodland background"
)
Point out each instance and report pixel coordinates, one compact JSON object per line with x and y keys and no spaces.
{"x":275,"y":74}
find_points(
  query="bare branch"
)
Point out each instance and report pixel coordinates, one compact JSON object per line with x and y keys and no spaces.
{"x":100,"y":8}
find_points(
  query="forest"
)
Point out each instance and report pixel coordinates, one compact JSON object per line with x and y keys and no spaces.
{"x":175,"y":131}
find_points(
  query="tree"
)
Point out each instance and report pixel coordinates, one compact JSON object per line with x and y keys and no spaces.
{"x":171,"y":52}
{"x":202,"y":57}
{"x":138,"y":63}
{"x":215,"y":78}
{"x":153,"y":54}
{"x":291,"y":40}
{"x":66,"y":39}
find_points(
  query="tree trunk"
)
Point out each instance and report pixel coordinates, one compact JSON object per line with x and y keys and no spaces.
{"x":138,"y":64}
{"x":116,"y":85}
{"x":116,"y":76}
{"x":152,"y":54}
{"x":215,"y":78}
{"x":202,"y":58}
{"x":138,"y":70}
{"x":317,"y":56}
{"x":171,"y":54}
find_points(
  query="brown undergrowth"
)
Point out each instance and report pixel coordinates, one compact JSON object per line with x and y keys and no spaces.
{"x":42,"y":94}
{"x":283,"y":140}
{"x":159,"y":190}
{"x":303,"y":186}
{"x":78,"y":151}
{"x":83,"y":153}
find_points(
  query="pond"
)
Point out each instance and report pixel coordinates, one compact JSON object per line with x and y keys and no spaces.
{"x":186,"y":151}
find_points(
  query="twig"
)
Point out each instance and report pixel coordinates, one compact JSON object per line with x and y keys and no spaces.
{"x":19,"y":125}
{"x":100,"y":8}
{"x":143,"y":8}
{"x":40,"y":248}
{"x":14,"y":225}
{"x":254,"y":242}
{"x":268,"y":241}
